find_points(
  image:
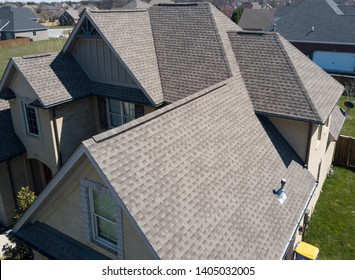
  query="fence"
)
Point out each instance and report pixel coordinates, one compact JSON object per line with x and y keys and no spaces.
{"x":14,"y":43}
{"x":345,"y":151}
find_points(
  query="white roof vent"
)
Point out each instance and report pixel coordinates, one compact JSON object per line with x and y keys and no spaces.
{"x":281,"y":195}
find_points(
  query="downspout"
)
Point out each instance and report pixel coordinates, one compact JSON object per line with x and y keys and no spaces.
{"x":309,"y":141}
{"x":12,"y":183}
{"x":56,"y":136}
{"x":299,"y":221}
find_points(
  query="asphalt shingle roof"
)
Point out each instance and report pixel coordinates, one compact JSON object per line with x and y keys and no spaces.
{"x":295,"y":24}
{"x":57,"y":78}
{"x":337,"y":120}
{"x":189,"y":51}
{"x":256,"y":19}
{"x":18,"y":19}
{"x":137,"y":52}
{"x":10,"y":144}
{"x":198,"y":176}
{"x":281,"y":81}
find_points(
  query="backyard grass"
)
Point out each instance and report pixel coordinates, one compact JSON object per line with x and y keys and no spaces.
{"x":45,"y":46}
{"x":332,"y":227}
{"x":349,"y":125}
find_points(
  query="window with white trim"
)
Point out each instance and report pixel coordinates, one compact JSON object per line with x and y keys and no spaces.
{"x":102,"y":217}
{"x":103,"y":211}
{"x":31,"y":119}
{"x":119,"y":112}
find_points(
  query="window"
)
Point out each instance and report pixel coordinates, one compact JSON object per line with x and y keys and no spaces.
{"x":31,"y":119}
{"x":103,"y":211}
{"x":119,"y":112}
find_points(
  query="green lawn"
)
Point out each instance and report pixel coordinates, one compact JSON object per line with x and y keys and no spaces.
{"x":51,"y":45}
{"x":332,"y":226}
{"x":349,"y":125}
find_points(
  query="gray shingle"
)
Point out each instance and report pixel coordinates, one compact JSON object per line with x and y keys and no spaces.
{"x":18,"y":19}
{"x":198,"y":176}
{"x":188,"y":48}
{"x":337,"y":120}
{"x":253,"y":19}
{"x":296,"y":24}
{"x":282,"y":81}
{"x":58,"y":78}
{"x":10,"y":144}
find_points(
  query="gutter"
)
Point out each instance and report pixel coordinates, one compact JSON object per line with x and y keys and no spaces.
{"x":298,"y":221}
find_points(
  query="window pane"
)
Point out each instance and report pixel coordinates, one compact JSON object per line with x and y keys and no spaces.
{"x":106,"y":230}
{"x":126,"y":119}
{"x":128,"y":109}
{"x":114,"y":106}
{"x":104,"y":206}
{"x":116,"y":120}
{"x":31,"y":118}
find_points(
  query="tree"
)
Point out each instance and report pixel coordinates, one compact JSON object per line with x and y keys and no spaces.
{"x":18,"y":250}
{"x":349,"y":89}
{"x":237,"y":14}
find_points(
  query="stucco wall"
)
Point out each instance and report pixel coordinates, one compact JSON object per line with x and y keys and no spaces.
{"x":76,"y":122}
{"x":295,"y":132}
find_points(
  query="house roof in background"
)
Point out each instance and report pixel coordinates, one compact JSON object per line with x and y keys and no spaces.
{"x":18,"y":19}
{"x":10,"y":144}
{"x":281,"y":80}
{"x":198,"y":177}
{"x":73,"y":13}
{"x":259,"y":19}
{"x":329,"y":22}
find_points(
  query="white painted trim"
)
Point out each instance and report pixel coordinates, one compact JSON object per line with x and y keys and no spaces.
{"x":122,"y":205}
{"x":49,"y":188}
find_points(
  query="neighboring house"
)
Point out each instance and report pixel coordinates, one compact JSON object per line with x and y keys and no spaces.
{"x":69,"y":17}
{"x":256,"y":20}
{"x":20,"y":22}
{"x":199,"y":178}
{"x":322,"y":30}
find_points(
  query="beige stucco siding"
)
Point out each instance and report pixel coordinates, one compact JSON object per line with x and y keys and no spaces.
{"x":100,"y":63}
{"x":35,"y":36}
{"x":318,"y":148}
{"x":76,"y":122}
{"x":63,"y":211}
{"x":295,"y":132}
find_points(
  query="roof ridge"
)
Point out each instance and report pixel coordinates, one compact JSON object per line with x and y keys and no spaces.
{"x":299,"y":80}
{"x":138,"y":122}
{"x":219,"y":39}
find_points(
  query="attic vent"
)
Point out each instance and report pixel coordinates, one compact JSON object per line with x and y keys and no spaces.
{"x":280,"y":192}
{"x":36,"y":56}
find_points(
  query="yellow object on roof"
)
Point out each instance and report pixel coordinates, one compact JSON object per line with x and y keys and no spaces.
{"x":307,"y":250}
